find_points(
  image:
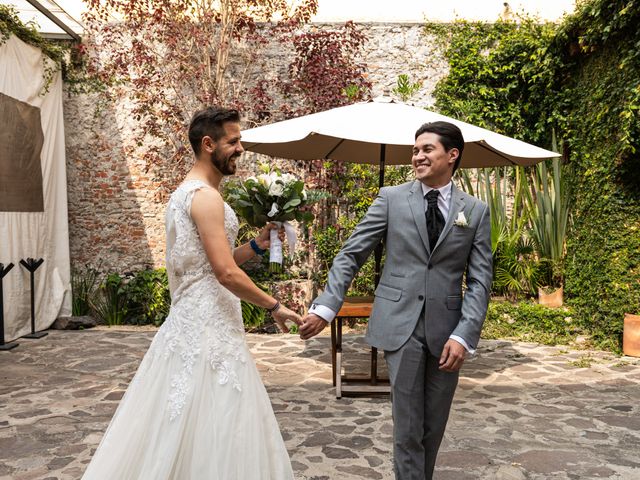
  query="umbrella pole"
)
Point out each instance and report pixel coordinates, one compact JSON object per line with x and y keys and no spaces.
{"x":378,"y":259}
{"x":379,"y":248}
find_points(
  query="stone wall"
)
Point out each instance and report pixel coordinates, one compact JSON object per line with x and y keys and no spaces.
{"x":116,"y":222}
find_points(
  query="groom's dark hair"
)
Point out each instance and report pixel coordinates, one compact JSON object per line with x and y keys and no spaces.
{"x":209,"y":122}
{"x":450,"y":137}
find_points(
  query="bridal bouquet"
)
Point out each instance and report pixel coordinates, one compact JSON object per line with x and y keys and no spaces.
{"x":273,"y":197}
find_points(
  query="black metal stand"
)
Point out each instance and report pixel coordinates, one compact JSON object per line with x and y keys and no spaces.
{"x":10,"y":345}
{"x":32,"y":265}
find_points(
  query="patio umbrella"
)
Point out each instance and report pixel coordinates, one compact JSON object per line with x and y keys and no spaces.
{"x":381,"y":132}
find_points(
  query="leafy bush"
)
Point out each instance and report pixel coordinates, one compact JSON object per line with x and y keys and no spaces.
{"x":581,"y":80}
{"x":253,"y":316}
{"x":527,"y":321}
{"x":83,"y":288}
{"x":110,"y":303}
{"x":148,"y":297}
{"x":516,"y":267}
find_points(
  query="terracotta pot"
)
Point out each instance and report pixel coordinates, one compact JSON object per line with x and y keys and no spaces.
{"x":553,"y":299}
{"x":631,"y":335}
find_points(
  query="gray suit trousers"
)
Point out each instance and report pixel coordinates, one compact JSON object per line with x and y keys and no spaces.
{"x":421,"y":397}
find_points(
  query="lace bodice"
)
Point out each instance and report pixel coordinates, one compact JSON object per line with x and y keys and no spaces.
{"x":186,"y":258}
{"x":205,"y":321}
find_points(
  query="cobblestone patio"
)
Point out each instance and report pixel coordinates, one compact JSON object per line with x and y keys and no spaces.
{"x":522,"y":411}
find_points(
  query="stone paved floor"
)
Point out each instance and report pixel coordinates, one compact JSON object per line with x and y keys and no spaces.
{"x":522,"y":411}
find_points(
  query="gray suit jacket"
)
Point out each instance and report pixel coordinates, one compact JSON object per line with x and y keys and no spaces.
{"x":414,"y":276}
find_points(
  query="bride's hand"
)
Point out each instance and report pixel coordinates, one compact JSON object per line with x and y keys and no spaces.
{"x":263,"y":240}
{"x":282,"y":314}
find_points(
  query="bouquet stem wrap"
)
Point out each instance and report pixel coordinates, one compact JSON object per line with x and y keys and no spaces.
{"x":275,"y":249}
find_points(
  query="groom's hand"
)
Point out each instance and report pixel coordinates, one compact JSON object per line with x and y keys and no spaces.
{"x":312,"y":325}
{"x":452,"y":356}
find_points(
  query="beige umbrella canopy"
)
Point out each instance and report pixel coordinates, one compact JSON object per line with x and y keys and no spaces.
{"x":381,"y":131}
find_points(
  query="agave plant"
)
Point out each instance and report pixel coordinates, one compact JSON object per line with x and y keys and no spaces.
{"x":516,"y":266}
{"x":548,"y":201}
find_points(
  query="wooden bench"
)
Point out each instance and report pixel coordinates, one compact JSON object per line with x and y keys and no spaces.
{"x":358,"y":384}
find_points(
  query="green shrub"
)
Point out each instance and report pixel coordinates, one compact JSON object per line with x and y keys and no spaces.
{"x":527,"y":321}
{"x":581,"y":80}
{"x":253,"y":316}
{"x":148,"y":297}
{"x":83,"y":288}
{"x":110,"y":303}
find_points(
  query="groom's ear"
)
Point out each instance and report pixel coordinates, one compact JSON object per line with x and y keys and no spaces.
{"x":207,"y":144}
{"x":454,"y":153}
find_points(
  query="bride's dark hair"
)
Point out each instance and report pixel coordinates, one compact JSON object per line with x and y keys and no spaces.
{"x":209,"y":122}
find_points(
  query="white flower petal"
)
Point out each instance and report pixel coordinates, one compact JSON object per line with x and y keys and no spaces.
{"x":274,"y":210}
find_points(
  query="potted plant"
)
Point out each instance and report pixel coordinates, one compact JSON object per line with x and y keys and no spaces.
{"x":631,"y":335}
{"x":550,"y":296}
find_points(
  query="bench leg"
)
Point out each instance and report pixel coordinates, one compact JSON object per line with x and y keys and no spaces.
{"x":374,"y":366}
{"x":333,"y":351}
{"x":337,"y":379}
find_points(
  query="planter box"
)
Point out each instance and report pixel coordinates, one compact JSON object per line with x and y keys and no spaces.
{"x":553,"y":299}
{"x":631,"y":335}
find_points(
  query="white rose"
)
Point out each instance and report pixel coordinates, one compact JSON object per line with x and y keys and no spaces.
{"x":276,"y":189}
{"x":274,"y":210}
{"x":252,"y":178}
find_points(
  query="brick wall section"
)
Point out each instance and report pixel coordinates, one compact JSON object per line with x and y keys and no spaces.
{"x":115,"y":220}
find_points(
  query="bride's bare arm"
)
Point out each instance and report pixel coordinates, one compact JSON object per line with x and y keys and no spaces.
{"x":245,"y":252}
{"x":207,"y":211}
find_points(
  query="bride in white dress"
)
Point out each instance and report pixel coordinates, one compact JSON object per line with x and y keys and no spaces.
{"x":197,"y":409}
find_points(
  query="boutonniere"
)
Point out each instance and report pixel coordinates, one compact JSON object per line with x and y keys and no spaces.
{"x":461,"y":220}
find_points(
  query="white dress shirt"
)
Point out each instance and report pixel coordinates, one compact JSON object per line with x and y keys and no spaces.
{"x":444,"y":202}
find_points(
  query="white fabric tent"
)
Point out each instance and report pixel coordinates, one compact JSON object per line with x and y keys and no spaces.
{"x":36,"y":234}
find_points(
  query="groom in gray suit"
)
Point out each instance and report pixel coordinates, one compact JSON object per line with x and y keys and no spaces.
{"x":433,"y":293}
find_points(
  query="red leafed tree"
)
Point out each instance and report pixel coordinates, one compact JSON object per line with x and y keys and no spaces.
{"x":325,"y":72}
{"x":171,"y":57}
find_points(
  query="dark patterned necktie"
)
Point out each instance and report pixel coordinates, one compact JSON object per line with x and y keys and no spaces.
{"x":435,"y":219}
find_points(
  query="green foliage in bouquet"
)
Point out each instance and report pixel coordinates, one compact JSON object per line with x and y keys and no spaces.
{"x":272,"y":196}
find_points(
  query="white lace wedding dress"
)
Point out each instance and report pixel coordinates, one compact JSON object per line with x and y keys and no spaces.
{"x":196,"y":408}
